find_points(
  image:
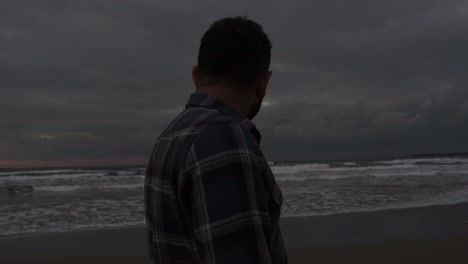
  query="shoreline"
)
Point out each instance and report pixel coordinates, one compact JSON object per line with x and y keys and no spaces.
{"x":420,"y":234}
{"x":142,"y":225}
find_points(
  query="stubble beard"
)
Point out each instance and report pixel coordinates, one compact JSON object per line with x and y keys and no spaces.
{"x":254,"y":110}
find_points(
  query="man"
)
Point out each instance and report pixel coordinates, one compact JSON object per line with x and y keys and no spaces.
{"x":210,"y":195}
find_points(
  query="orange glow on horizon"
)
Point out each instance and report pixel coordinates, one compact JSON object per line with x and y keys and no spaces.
{"x":33,"y":163}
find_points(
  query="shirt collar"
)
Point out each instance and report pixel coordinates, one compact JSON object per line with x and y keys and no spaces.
{"x":208,"y":101}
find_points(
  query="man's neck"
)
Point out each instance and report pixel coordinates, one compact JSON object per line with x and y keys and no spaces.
{"x":232,"y":98}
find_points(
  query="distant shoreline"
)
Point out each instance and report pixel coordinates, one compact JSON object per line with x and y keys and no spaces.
{"x":133,"y":166}
{"x":376,"y":159}
{"x":435,"y":155}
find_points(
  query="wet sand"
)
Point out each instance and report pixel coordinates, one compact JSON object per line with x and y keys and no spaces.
{"x":435,"y":234}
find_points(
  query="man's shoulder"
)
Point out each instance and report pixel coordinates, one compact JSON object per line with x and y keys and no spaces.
{"x":174,"y":144}
{"x":192,"y":121}
{"x":225,"y":136}
{"x":208,"y":132}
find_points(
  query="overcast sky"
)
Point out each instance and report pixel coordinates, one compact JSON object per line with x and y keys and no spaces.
{"x":93,"y":81}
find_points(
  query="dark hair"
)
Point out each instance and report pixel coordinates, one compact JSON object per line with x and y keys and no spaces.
{"x":234,"y":49}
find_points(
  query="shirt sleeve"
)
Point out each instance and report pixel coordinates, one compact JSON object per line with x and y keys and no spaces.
{"x":228,"y":200}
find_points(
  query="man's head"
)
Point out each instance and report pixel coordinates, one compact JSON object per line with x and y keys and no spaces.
{"x":234,"y":57}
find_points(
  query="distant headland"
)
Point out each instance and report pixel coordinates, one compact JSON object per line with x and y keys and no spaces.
{"x":431,"y":155}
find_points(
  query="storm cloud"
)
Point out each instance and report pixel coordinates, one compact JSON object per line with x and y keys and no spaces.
{"x":351,"y":79}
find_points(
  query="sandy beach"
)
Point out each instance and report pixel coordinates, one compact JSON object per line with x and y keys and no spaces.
{"x":435,"y":234}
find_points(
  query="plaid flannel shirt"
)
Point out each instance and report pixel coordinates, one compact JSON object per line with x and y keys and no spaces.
{"x":210,"y":196}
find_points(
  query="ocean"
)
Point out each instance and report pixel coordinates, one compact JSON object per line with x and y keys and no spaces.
{"x":49,"y":200}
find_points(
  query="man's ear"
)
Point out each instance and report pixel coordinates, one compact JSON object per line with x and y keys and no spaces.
{"x":195,"y":75}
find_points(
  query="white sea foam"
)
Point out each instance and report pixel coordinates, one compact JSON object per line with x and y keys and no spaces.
{"x":51,"y":176}
{"x":18,"y":232}
{"x":462,"y":171}
{"x":124,"y":186}
{"x":62,"y":188}
{"x":349,"y":163}
{"x":426,"y":160}
{"x":407,"y":170}
{"x":377,"y":170}
{"x":320,"y":202}
{"x":18,"y":178}
{"x":38,"y":172}
{"x":72,"y":216}
{"x":298,"y":168}
{"x":458,"y":196}
{"x":72,"y":188}
{"x":325,"y":168}
{"x":378,"y":167}
{"x":329,"y":192}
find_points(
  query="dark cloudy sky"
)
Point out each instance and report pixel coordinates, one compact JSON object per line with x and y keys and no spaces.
{"x":93,"y":81}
